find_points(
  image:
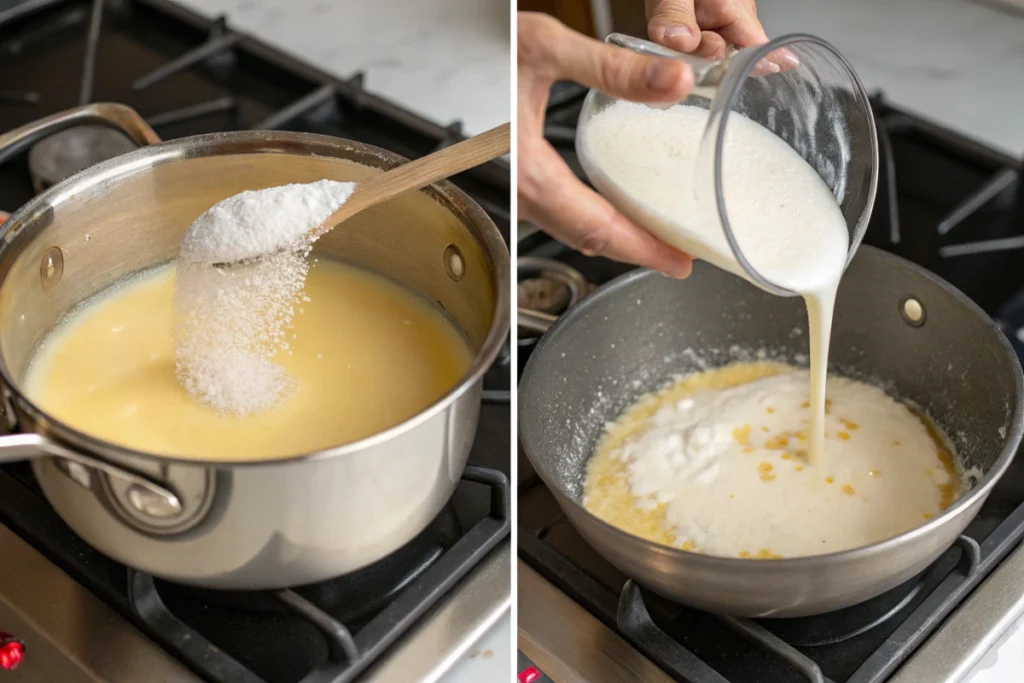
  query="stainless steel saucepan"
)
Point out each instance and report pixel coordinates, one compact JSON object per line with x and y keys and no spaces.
{"x":239,"y":525}
{"x":896,"y":324}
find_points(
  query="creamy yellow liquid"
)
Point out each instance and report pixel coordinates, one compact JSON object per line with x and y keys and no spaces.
{"x":366,"y":354}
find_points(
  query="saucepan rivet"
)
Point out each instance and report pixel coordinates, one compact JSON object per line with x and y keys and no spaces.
{"x":912,"y":311}
{"x":78,"y":473}
{"x":51,"y":268}
{"x":153,"y":504}
{"x":454,"y":263}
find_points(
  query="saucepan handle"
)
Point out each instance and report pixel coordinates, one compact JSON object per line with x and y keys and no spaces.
{"x":18,"y":447}
{"x":534,"y":321}
{"x":116,"y":116}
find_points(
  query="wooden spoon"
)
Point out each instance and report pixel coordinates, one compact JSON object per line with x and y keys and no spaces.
{"x":199,"y":247}
{"x":414,"y":175}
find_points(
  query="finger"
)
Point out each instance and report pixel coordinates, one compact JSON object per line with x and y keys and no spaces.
{"x":553,"y":198}
{"x":672,"y":23}
{"x":712,"y":46}
{"x":737,"y":24}
{"x":783,"y":58}
{"x":620,"y":72}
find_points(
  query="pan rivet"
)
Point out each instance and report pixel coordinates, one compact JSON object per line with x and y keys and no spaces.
{"x":153,"y":504}
{"x":912,"y":311}
{"x":79,"y":474}
{"x":51,"y":268}
{"x":454,"y":263}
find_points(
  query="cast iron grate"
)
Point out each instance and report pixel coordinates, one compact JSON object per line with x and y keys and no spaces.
{"x":187,"y":75}
{"x":238,"y":638}
{"x":349,"y":652}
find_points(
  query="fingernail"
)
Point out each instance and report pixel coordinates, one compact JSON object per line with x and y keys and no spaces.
{"x":679,"y":270}
{"x":678,"y":31}
{"x":788,"y":59}
{"x":663,"y":76}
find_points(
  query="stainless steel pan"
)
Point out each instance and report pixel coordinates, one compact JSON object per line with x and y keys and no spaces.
{"x":244,"y":525}
{"x":636,"y":332}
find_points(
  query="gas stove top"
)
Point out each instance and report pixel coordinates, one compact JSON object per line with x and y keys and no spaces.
{"x":944,"y":202}
{"x":82,"y":616}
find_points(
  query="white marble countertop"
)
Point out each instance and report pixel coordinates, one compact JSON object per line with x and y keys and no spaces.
{"x":441,"y":59}
{"x":959,"y":63}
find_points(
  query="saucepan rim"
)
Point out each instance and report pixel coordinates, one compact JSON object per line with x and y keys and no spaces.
{"x":233,"y":143}
{"x":1014,"y":433}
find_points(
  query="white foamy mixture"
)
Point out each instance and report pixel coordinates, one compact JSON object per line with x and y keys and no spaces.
{"x":717,"y":464}
{"x":787,"y":222}
{"x":230,"y":322}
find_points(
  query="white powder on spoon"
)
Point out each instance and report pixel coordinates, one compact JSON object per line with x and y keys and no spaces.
{"x":231,"y":321}
{"x":253,"y":223}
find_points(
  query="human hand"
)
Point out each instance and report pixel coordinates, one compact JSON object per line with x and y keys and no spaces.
{"x":708,"y":28}
{"x":549,"y":194}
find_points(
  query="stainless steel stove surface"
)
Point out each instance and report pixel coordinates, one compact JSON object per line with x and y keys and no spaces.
{"x":83,"y":617}
{"x":944,"y":202}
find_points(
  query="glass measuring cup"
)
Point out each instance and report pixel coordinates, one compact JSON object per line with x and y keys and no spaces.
{"x":817,"y":105}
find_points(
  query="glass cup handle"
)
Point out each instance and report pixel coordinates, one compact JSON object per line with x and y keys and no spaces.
{"x":117,"y":116}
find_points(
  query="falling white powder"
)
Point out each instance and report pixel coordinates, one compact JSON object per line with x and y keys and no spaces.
{"x":231,"y":322}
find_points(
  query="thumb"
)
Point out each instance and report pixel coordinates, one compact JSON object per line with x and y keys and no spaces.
{"x":673,"y":23}
{"x":619,"y":72}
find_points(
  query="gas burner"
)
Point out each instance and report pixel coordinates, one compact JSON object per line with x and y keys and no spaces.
{"x":545,"y":295}
{"x":64,"y":154}
{"x":547,"y":287}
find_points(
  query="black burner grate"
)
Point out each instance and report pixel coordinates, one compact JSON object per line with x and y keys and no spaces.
{"x":239,"y":638}
{"x":348,"y":650}
{"x":944,"y":202}
{"x":188,"y":75}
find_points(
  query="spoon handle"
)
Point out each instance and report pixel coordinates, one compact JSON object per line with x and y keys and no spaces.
{"x":421,"y":172}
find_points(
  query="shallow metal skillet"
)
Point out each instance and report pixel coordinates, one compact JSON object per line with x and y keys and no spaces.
{"x":640,"y":329}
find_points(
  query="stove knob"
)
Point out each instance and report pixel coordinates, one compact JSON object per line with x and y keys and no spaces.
{"x":12,"y":651}
{"x":153,"y":504}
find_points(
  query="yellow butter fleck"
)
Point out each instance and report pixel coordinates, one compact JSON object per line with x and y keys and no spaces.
{"x":742,"y":435}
